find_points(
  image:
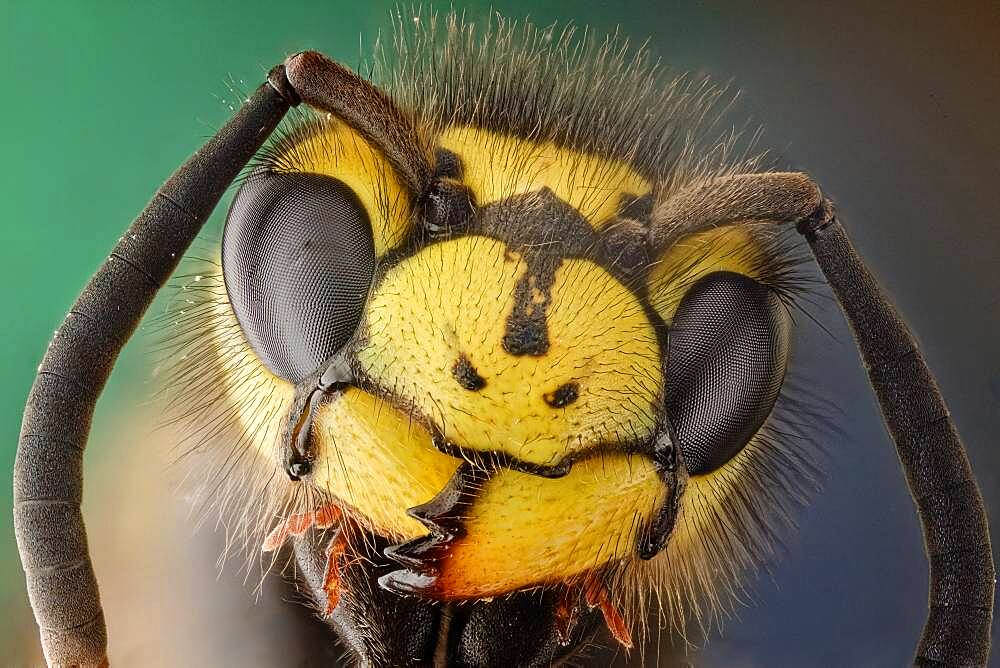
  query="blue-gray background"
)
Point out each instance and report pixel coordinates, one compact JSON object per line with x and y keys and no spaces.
{"x":891,"y":106}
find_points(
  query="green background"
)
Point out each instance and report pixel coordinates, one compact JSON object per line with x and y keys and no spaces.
{"x":891,"y":107}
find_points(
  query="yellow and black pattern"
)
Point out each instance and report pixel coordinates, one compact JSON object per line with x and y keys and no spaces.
{"x":522,"y":357}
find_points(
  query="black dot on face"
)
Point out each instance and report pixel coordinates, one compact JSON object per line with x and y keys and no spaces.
{"x":466,"y":375}
{"x":563,"y":396}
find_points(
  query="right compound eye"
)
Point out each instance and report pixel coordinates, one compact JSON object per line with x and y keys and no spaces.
{"x":728,"y":350}
{"x":298,"y":259}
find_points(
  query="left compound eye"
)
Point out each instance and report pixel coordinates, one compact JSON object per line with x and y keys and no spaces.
{"x":298,"y":259}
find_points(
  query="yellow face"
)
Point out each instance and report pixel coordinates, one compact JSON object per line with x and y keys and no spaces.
{"x":501,"y":367}
{"x":437,"y":341}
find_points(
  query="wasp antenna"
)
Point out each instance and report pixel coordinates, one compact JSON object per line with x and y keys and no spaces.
{"x":331,"y":87}
{"x":956,"y":533}
{"x":48,"y":478}
{"x":776,"y":197}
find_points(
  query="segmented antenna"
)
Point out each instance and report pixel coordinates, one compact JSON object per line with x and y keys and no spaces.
{"x":956,"y":533}
{"x":48,"y":475}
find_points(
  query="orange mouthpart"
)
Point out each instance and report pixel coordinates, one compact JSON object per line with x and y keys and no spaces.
{"x":297,"y":524}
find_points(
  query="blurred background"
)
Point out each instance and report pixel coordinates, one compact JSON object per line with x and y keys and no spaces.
{"x":891,"y":106}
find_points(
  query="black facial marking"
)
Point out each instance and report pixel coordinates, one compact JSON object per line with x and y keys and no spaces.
{"x":466,"y":375}
{"x":537,"y":219}
{"x":564,"y":395}
{"x":544,"y":229}
{"x":527,"y":327}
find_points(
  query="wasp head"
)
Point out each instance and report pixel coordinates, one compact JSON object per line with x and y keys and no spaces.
{"x":513,"y":397}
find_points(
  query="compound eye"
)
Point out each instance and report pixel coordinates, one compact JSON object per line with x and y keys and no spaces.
{"x":728,"y":348}
{"x":298,"y":259}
